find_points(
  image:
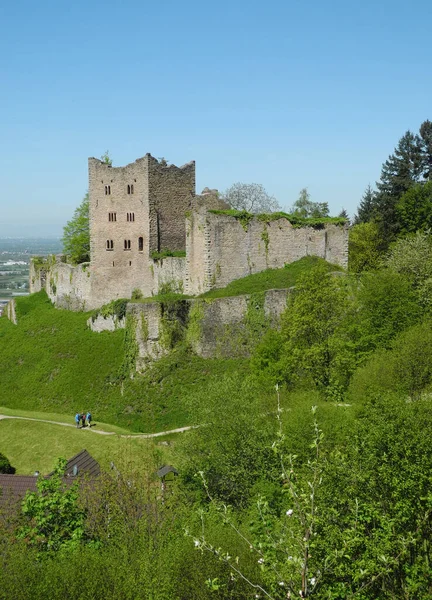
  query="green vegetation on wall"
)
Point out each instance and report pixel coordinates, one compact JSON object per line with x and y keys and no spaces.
{"x":296,"y":221}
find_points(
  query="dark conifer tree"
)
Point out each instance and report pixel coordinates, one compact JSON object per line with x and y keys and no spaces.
{"x":426,"y":136}
{"x":403,"y":169}
{"x":367,"y":206}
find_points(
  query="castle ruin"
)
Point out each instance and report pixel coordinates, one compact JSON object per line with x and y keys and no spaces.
{"x":147,"y":207}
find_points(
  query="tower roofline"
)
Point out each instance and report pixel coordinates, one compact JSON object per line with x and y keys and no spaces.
{"x":151,"y":159}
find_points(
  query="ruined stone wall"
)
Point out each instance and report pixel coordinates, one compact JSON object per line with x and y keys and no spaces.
{"x":221,"y":248}
{"x":212,"y":328}
{"x":169,"y":272}
{"x":171,"y":190}
{"x":67,"y":286}
{"x":11,"y":311}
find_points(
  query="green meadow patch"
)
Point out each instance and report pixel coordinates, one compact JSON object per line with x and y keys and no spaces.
{"x":271,"y":279}
{"x":52,"y":363}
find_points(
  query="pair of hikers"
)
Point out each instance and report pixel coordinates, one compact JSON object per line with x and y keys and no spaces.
{"x":81,"y":418}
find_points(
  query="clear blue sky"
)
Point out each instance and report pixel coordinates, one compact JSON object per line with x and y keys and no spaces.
{"x":289,"y":94}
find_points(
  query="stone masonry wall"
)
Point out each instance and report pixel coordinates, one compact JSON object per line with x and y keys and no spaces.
{"x":118,"y":270}
{"x":169,"y":271}
{"x":214,"y":328}
{"x":171,"y":190}
{"x":67,"y":286}
{"x":220,"y":249}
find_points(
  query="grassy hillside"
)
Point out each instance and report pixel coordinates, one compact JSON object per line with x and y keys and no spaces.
{"x":51,"y":362}
{"x":34,"y":446}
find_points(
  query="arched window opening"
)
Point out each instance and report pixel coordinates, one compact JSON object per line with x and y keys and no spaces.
{"x":131,"y":187}
{"x":112,"y":216}
{"x":130,"y":263}
{"x":127,"y":244}
{"x":130,"y":217}
{"x":110,"y":245}
{"x":140,"y":244}
{"x":128,"y":189}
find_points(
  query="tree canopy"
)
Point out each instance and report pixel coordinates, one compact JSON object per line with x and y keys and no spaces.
{"x":409,"y":166}
{"x":305,"y":208}
{"x":76,"y":234}
{"x":251,"y":197}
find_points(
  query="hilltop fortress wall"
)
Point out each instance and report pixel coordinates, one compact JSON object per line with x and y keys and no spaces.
{"x":147,"y":207}
{"x":221,"y":248}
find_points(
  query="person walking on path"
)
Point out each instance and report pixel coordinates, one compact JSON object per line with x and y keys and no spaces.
{"x":77,"y":419}
{"x":83,"y":419}
{"x":89,"y":418}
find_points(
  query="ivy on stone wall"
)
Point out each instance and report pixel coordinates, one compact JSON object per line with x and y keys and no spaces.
{"x":128,"y":365}
{"x":266,"y":239}
{"x":173,"y":322}
{"x":115,"y":308}
{"x":245,"y":218}
{"x":194,"y":328}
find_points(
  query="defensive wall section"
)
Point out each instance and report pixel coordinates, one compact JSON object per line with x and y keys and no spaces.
{"x":72,"y":287}
{"x":218,"y":327}
{"x":221,"y":248}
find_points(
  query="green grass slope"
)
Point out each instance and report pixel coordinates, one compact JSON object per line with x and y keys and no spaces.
{"x":51,"y":362}
{"x":270,"y":279}
{"x":32,"y":446}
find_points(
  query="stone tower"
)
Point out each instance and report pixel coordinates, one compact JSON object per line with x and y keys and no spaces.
{"x":134,"y":211}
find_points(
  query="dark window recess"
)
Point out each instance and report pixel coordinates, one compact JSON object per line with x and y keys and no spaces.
{"x":113,"y":263}
{"x":109,"y":245}
{"x":130,"y":217}
{"x":127,"y":244}
{"x":107,"y":190}
{"x":112,"y":216}
{"x":130,"y":189}
{"x":130,"y":263}
{"x":140,"y":244}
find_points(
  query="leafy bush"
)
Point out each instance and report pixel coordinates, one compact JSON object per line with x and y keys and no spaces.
{"x":5,"y":466}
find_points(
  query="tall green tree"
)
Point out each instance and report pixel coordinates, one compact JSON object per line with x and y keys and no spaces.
{"x":411,"y":256}
{"x":364,"y":247}
{"x":401,"y":171}
{"x":76,"y":234}
{"x":304,"y":207}
{"x":308,"y":326}
{"x":367,"y":206}
{"x":426,"y":136}
{"x":414,"y":208}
